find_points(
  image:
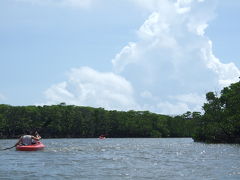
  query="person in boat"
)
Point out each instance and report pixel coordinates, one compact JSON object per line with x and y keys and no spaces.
{"x":102,"y":136}
{"x":28,"y":139}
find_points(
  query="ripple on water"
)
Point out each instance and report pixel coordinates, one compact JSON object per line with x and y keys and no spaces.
{"x":122,"y":159}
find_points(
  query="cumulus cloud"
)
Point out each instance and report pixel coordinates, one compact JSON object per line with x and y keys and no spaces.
{"x":173,"y":64}
{"x":167,"y":70}
{"x":88,"y":87}
{"x":129,"y":54}
{"x":227,"y":73}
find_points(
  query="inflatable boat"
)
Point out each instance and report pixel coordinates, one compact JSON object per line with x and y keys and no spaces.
{"x":33,"y":147}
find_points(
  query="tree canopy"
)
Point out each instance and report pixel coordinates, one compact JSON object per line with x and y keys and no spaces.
{"x":221,"y":120}
{"x":75,"y":121}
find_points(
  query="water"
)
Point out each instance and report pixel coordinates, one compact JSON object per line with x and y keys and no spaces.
{"x":119,"y":159}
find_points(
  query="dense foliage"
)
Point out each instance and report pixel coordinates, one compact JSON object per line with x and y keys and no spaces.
{"x":221,"y":120}
{"x":74,"y":121}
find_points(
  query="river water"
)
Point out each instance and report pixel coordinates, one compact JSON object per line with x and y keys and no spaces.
{"x":119,"y":159}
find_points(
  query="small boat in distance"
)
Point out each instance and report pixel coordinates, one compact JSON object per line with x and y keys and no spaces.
{"x":102,"y":137}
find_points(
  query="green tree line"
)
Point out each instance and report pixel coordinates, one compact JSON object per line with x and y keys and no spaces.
{"x":58,"y":121}
{"x":219,"y":123}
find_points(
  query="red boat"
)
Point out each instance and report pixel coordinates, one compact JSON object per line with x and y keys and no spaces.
{"x":102,"y":137}
{"x":33,"y":147}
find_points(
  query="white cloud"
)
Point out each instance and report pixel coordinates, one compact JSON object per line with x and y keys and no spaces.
{"x":227,"y":73}
{"x":88,"y":87}
{"x":129,"y":54}
{"x":59,"y":93}
{"x":176,"y":104}
{"x":174,"y":61}
{"x":193,"y":101}
{"x":153,"y":27}
{"x":167,"y":70}
{"x":172,"y":108}
{"x":191,"y":98}
{"x":183,"y":6}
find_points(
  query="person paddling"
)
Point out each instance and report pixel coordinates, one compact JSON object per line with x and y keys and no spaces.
{"x":28,"y":139}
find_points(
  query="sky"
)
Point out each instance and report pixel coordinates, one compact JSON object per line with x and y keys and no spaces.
{"x":157,"y":55}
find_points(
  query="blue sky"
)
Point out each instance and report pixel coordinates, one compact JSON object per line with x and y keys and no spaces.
{"x":156,"y":55}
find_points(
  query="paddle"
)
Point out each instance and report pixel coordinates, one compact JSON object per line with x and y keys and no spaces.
{"x":46,"y":123}
{"x":8,"y":148}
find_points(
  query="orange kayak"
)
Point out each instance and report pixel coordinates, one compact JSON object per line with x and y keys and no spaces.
{"x":33,"y":147}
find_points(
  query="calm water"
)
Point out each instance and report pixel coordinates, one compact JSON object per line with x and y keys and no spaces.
{"x":119,"y":159}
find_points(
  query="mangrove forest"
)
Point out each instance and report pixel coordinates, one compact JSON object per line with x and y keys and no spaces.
{"x":218,"y":123}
